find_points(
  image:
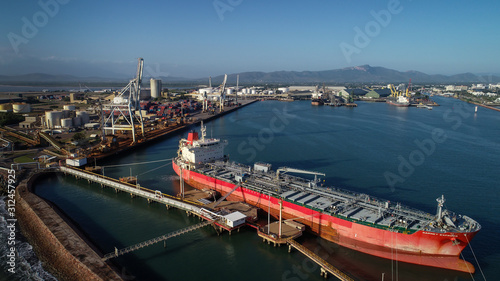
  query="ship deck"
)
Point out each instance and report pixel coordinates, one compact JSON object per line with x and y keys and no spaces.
{"x":356,"y":207}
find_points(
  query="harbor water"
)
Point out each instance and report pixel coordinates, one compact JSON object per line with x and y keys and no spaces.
{"x":407,"y":155}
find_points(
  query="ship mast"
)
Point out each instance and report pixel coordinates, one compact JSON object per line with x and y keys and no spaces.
{"x":203,"y":132}
{"x":440,"y":201}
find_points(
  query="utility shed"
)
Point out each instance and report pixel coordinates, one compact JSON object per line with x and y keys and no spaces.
{"x":77,"y":162}
{"x":235,"y":219}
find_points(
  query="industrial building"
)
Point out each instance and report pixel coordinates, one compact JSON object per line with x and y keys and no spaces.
{"x":67,"y":118}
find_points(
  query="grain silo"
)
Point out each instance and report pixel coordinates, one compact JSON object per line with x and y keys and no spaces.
{"x":77,"y":121}
{"x":53,"y":119}
{"x":84,"y":116}
{"x":155,"y":88}
{"x":67,"y":122}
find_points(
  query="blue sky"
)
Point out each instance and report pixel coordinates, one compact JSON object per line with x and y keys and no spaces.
{"x":194,"y":38}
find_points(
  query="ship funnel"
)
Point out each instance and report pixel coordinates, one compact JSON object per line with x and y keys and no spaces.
{"x":192,"y":136}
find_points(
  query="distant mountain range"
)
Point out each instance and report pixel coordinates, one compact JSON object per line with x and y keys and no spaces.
{"x":357,"y":74}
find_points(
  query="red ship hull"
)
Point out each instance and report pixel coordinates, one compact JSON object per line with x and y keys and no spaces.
{"x":424,"y":248}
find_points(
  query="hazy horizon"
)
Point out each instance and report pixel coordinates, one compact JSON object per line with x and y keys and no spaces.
{"x":198,"y":39}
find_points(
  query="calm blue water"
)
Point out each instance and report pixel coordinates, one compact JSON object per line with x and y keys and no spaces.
{"x":358,"y":148}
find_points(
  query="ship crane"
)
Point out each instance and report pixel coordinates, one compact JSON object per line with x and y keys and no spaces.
{"x":292,"y":170}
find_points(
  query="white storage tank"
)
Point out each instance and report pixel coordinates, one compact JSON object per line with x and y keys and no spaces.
{"x":254,"y":92}
{"x":69,"y":107}
{"x":5,"y":107}
{"x":77,"y":121}
{"x":155,"y":88}
{"x":205,"y":91}
{"x":66,"y":122}
{"x":53,"y":119}
{"x":65,"y":113}
{"x":229,"y":91}
{"x":21,"y":107}
{"x":284,"y":89}
{"x":84,"y":116}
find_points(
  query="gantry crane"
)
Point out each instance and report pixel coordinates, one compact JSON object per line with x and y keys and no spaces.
{"x":125,"y":106}
{"x":222,"y":90}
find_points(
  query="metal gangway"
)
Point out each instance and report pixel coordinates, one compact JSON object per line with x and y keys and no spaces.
{"x":150,"y":242}
{"x":225,"y":196}
{"x":325,"y":266}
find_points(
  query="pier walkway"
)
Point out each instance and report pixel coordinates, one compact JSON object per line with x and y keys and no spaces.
{"x":325,"y":266}
{"x":150,"y":242}
{"x":134,"y":190}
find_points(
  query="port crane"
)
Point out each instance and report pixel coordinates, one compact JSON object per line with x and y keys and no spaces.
{"x":221,"y":97}
{"x":396,"y":93}
{"x":126,"y":106}
{"x":292,"y":170}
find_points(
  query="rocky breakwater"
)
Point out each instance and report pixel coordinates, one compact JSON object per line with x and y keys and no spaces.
{"x":63,"y":252}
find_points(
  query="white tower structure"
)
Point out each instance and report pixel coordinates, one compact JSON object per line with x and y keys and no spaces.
{"x":222,"y":94}
{"x":155,"y":88}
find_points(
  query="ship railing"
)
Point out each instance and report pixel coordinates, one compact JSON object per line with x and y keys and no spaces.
{"x":404,"y":211}
{"x":409,"y":212}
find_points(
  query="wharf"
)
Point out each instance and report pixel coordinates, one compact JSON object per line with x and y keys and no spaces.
{"x":152,"y":135}
{"x":221,"y":220}
{"x":270,"y":233}
{"x":248,"y":210}
{"x":486,"y":106}
{"x":134,"y":190}
{"x":290,"y":230}
{"x":325,"y":266}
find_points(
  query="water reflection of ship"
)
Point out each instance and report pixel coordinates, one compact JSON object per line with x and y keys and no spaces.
{"x":317,"y":101}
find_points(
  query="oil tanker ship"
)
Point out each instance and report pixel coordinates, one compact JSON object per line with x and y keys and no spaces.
{"x":354,"y":220}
